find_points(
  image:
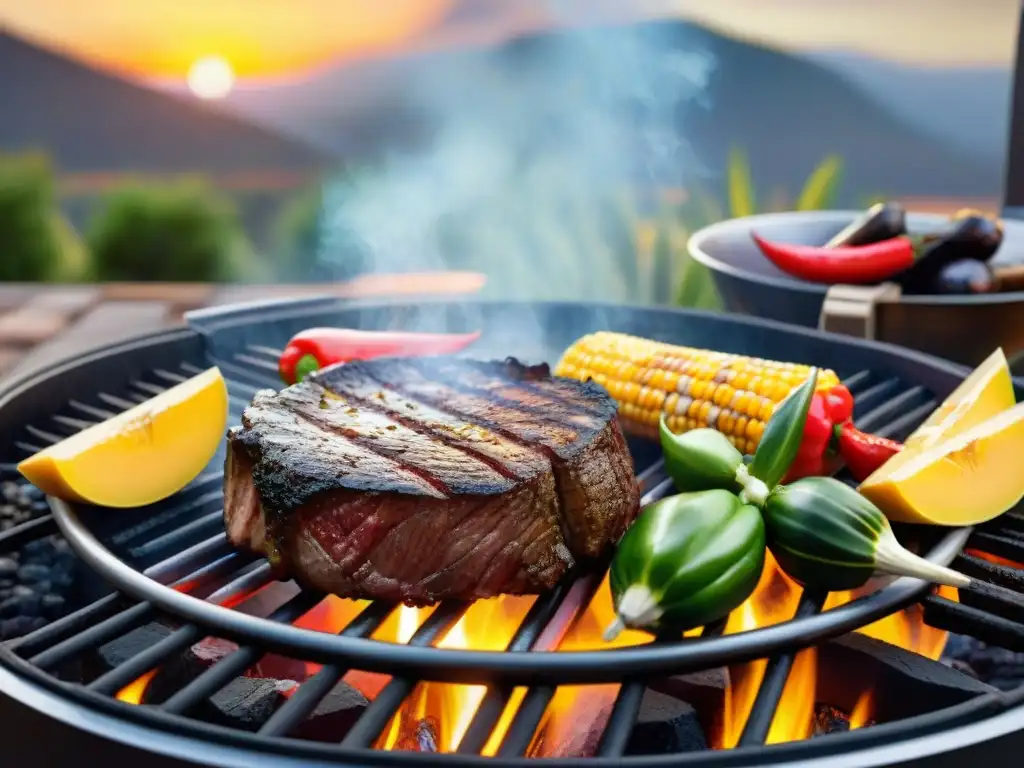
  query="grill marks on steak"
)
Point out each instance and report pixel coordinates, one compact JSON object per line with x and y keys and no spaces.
{"x":421,"y":479}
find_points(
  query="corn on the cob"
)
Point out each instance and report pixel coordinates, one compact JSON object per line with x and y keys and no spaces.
{"x":692,"y":387}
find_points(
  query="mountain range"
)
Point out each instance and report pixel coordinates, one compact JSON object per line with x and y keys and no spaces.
{"x":899,"y":130}
{"x":677,"y":96}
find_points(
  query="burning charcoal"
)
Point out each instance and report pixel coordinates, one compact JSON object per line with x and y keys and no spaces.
{"x":246,"y":703}
{"x":705,"y":691}
{"x":829,"y":719}
{"x":190,"y":664}
{"x":905,"y":684}
{"x":665,"y":725}
{"x":119,"y":650}
{"x":335,"y":714}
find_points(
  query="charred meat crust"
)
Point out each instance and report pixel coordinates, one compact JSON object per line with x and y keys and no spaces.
{"x":421,"y":479}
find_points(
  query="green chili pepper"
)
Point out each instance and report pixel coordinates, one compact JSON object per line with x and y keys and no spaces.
{"x":826,"y":535}
{"x":687,"y":561}
{"x":783,"y":434}
{"x":700,"y":460}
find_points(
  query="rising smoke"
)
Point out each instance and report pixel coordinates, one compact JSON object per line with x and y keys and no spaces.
{"x":532,"y":161}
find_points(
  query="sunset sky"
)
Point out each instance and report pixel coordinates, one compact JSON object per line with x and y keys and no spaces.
{"x":272,"y":38}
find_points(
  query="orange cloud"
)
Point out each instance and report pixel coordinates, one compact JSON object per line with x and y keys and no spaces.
{"x":162,"y":38}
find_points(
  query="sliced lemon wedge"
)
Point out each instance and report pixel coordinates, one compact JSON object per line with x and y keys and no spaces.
{"x":141,"y":456}
{"x":987,"y":391}
{"x":967,"y":479}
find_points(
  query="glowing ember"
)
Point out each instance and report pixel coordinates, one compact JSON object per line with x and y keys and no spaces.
{"x":133,"y":692}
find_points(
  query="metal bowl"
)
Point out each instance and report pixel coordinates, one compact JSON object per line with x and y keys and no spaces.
{"x":961,"y":328}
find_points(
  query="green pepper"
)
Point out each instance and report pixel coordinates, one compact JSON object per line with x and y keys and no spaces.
{"x":825,"y":535}
{"x":687,"y":561}
{"x":700,"y":460}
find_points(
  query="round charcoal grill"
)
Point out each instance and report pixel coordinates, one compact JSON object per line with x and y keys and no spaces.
{"x":159,"y":560}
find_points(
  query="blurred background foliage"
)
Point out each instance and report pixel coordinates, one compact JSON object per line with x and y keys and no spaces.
{"x":546,"y":240}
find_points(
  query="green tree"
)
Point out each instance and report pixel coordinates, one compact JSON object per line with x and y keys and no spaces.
{"x":32,"y":233}
{"x":181,"y":231}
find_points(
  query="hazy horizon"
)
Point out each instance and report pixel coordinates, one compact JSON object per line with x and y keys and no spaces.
{"x":267,"y":42}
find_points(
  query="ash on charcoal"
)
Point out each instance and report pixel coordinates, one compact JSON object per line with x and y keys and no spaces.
{"x":665,"y":725}
{"x":999,"y":667}
{"x":44,"y":567}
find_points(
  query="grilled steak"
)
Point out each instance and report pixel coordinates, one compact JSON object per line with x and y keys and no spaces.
{"x":424,"y":479}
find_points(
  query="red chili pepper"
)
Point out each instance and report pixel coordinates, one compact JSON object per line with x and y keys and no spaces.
{"x":864,"y":453}
{"x":315,"y":348}
{"x":853,"y":264}
{"x":830,"y":439}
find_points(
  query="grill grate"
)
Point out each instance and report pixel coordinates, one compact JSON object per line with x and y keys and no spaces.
{"x":178,"y":544}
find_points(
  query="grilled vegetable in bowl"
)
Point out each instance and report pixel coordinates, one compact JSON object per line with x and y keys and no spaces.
{"x":694,"y":388}
{"x":881,"y":221}
{"x":919,"y":263}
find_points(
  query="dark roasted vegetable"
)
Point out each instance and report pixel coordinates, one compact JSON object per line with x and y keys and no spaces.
{"x":881,"y":221}
{"x":687,"y":561}
{"x":826,"y":535}
{"x":970,"y":235}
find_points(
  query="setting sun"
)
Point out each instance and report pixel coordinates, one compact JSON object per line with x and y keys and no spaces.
{"x":211,"y":77}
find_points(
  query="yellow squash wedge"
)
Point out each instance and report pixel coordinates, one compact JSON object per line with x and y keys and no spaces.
{"x":964,"y":480}
{"x":141,"y":456}
{"x":987,"y":391}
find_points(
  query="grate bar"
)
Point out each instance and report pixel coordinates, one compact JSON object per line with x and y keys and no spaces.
{"x":84,"y":617}
{"x":856,"y":381}
{"x":759,"y":722}
{"x":967,"y":620}
{"x":302,"y":703}
{"x":368,"y":727}
{"x":171,"y":570}
{"x":1011,"y":523}
{"x":901,"y":426}
{"x":978,"y":568}
{"x":49,"y":438}
{"x":151,"y":658}
{"x":231,"y":666}
{"x":874,"y":397}
{"x":891,"y":407}
{"x":20,"y":535}
{"x":994,"y":599}
{"x":118,"y":624}
{"x":127,"y":620}
{"x":250,"y":581}
{"x":91,"y":410}
{"x":520,"y":733}
{"x":623,"y":717}
{"x":1009,"y":547}
{"x":213,"y":550}
{"x":181,"y":532}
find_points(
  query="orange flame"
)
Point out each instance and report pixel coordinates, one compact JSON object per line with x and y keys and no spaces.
{"x":775,"y":600}
{"x":437,"y":715}
{"x":444,"y":709}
